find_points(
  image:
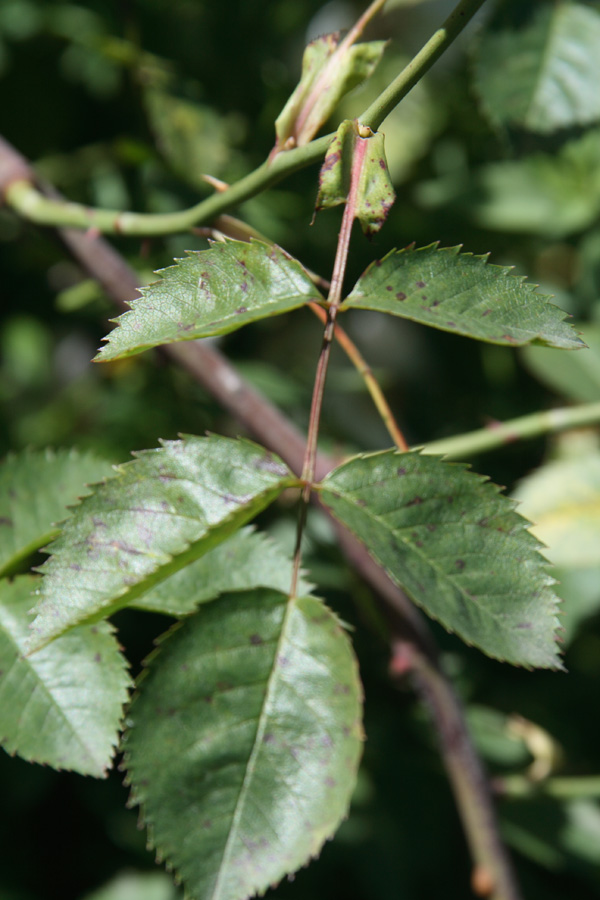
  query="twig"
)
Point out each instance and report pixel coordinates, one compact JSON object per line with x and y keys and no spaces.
{"x":498,"y":434}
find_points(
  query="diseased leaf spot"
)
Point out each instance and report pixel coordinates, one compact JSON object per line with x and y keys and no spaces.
{"x":415,"y":501}
{"x":400,"y":471}
{"x":460,"y":564}
{"x":97,"y":658}
{"x":400,"y":296}
{"x":4,"y":520}
{"x":389,"y":287}
{"x":420,"y":284}
{"x":525,"y":625}
{"x":256,"y":640}
{"x":486,"y":312}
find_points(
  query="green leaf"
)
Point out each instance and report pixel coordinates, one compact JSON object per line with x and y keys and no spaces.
{"x":538,"y":65}
{"x":574,"y":375}
{"x":456,"y":545}
{"x":191,"y":136}
{"x":156,"y":515}
{"x":329,"y":70}
{"x":357,"y":158}
{"x":35,"y":489}
{"x":461,"y":293}
{"x":247,"y":560}
{"x":211,"y":292}
{"x":244,"y":741}
{"x":61,"y":706}
{"x":549,"y":194}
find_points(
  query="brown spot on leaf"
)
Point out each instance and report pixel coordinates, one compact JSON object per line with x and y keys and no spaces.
{"x":4,"y":520}
{"x":256,"y":640}
{"x":400,"y":296}
{"x":416,"y":501}
{"x":486,"y":312}
{"x":460,"y":564}
{"x":240,"y":310}
{"x":420,"y":284}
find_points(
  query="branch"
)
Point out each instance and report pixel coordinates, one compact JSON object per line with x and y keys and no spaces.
{"x":411,"y":633}
{"x":33,"y":204}
{"x":498,"y":434}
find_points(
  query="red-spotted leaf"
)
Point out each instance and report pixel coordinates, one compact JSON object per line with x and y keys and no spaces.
{"x":456,"y":545}
{"x":156,"y":515}
{"x":355,"y":170}
{"x":211,"y":292}
{"x":461,"y":293}
{"x":244,"y":740}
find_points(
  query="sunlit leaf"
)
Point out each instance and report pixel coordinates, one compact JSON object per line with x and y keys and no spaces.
{"x":538,"y":65}
{"x":562,"y":499}
{"x":246,"y":560}
{"x":158,"y":513}
{"x":244,"y":741}
{"x":456,"y":545}
{"x":461,"y":293}
{"x":63,"y":705}
{"x":35,"y":489}
{"x":211,"y":292}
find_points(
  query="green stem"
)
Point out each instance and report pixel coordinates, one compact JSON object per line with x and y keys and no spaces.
{"x":499,"y":434}
{"x":560,"y":788}
{"x":421,"y":63}
{"x":334,"y":299}
{"x":31,"y":204}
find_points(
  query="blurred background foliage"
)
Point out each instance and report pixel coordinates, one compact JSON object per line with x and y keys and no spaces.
{"x":127,"y":105}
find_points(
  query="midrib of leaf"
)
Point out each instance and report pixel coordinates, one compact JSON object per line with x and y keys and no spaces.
{"x":260,"y":731}
{"x":54,"y":703}
{"x":431,"y":563}
{"x":11,"y":566}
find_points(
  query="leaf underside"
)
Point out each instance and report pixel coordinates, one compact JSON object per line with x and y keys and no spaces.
{"x":457,"y":546}
{"x":35,"y":489}
{"x":244,"y":741}
{"x":211,"y":292}
{"x":538,"y":68}
{"x":156,"y":515}
{"x":463,"y":294}
{"x":63,"y":706}
{"x":248,"y":559}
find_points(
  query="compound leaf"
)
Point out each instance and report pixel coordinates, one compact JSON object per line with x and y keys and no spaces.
{"x":62,"y":706}
{"x":244,"y":741}
{"x":211,"y":292}
{"x":538,"y":66}
{"x":461,"y":293}
{"x":35,"y":489}
{"x":456,"y":545}
{"x":158,"y":513}
{"x":247,"y":560}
